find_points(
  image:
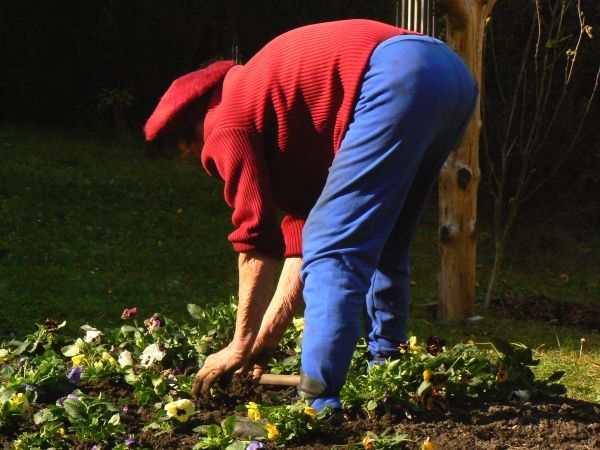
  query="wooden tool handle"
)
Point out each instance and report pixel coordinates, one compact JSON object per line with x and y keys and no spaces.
{"x":279,"y":380}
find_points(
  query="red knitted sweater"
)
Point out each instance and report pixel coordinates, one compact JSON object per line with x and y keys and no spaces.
{"x":272,"y":130}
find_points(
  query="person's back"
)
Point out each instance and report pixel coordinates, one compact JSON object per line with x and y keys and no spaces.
{"x":293,"y":101}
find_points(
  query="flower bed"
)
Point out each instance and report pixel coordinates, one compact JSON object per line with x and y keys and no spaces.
{"x":130,"y":387}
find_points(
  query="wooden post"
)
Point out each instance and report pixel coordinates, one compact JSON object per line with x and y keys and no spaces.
{"x":459,"y":178}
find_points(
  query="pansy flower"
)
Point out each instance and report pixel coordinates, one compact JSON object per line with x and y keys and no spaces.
{"x":18,"y":402}
{"x":428,"y":445}
{"x":272,"y":432}
{"x":125,"y":358}
{"x":502,"y":374}
{"x":51,"y":326}
{"x":92,"y":335}
{"x":180,"y":410}
{"x":298,"y":323}
{"x":253,"y":411}
{"x":74,"y":374}
{"x":154,"y":352}
{"x":434,"y":345}
{"x":128,"y":312}
{"x":310,"y":411}
{"x":109,"y":358}
{"x":368,"y":442}
{"x":255,"y":445}
{"x":77,"y":360}
{"x":130,"y":443}
{"x":4,"y":355}
{"x":152,"y":323}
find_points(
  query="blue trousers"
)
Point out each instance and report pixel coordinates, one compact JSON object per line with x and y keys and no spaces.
{"x":414,"y":104}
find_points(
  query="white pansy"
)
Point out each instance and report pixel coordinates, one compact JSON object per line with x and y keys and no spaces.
{"x":125,"y":358}
{"x":152,"y":353}
{"x":519,"y":396}
{"x":92,"y":335}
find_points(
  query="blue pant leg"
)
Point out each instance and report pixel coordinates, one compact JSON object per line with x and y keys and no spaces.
{"x":389,"y":294}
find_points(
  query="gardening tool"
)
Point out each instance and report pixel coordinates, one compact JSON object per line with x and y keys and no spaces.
{"x":279,"y":380}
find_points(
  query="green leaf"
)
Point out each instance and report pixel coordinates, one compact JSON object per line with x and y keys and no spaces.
{"x":6,"y":394}
{"x":195,"y":311}
{"x":556,"y":389}
{"x":75,"y":409}
{"x":126,"y":329}
{"x":20,"y":347}
{"x":70,"y":350}
{"x":237,"y":445}
{"x":45,"y":415}
{"x":551,"y":43}
{"x":6,"y":371}
{"x":229,"y":425}
{"x":555,"y":376}
{"x":208,"y":430}
{"x":503,"y":347}
{"x":371,"y":405}
{"x":425,"y":387}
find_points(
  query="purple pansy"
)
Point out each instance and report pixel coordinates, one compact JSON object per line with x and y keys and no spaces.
{"x":130,"y":443}
{"x":28,"y":387}
{"x":254,"y":445}
{"x":74,"y":374}
{"x":152,"y":323}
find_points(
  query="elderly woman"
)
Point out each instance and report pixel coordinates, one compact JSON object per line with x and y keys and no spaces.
{"x":343,"y":127}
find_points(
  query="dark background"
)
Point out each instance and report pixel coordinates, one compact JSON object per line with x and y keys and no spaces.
{"x":102,"y":65}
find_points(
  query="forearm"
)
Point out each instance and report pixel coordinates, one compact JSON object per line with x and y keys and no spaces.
{"x":285,"y":302}
{"x":256,"y":274}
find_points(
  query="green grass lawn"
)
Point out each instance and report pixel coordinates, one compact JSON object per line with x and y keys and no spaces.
{"x":88,"y":228}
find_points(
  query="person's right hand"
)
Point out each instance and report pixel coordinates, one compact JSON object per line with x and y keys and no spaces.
{"x":215,"y":366}
{"x":256,"y":365}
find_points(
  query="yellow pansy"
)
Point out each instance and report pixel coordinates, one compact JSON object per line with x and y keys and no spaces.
{"x":428,"y":445}
{"x":18,"y":402}
{"x":368,"y":443}
{"x":77,"y":360}
{"x":180,"y":410}
{"x":298,"y":323}
{"x":4,"y":355}
{"x":272,"y":432}
{"x":253,"y":411}
{"x":310,"y":411}
{"x":108,"y":357}
{"x":427,"y":375}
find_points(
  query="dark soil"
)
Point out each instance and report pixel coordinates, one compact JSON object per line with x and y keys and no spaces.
{"x":543,"y":424}
{"x":542,"y":308}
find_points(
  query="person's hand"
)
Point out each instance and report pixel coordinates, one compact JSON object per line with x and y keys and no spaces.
{"x":259,"y":359}
{"x":215,"y":366}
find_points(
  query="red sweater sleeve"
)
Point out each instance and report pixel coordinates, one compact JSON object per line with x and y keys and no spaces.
{"x":292,"y":235}
{"x":237,"y":157}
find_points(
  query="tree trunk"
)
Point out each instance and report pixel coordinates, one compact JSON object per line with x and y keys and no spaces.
{"x":459,"y":178}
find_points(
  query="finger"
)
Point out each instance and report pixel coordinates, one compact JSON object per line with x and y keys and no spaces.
{"x":257,"y":372}
{"x":209,"y":380}
{"x":197,"y":385}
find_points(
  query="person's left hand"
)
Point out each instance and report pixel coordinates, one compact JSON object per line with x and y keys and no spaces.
{"x":215,"y":366}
